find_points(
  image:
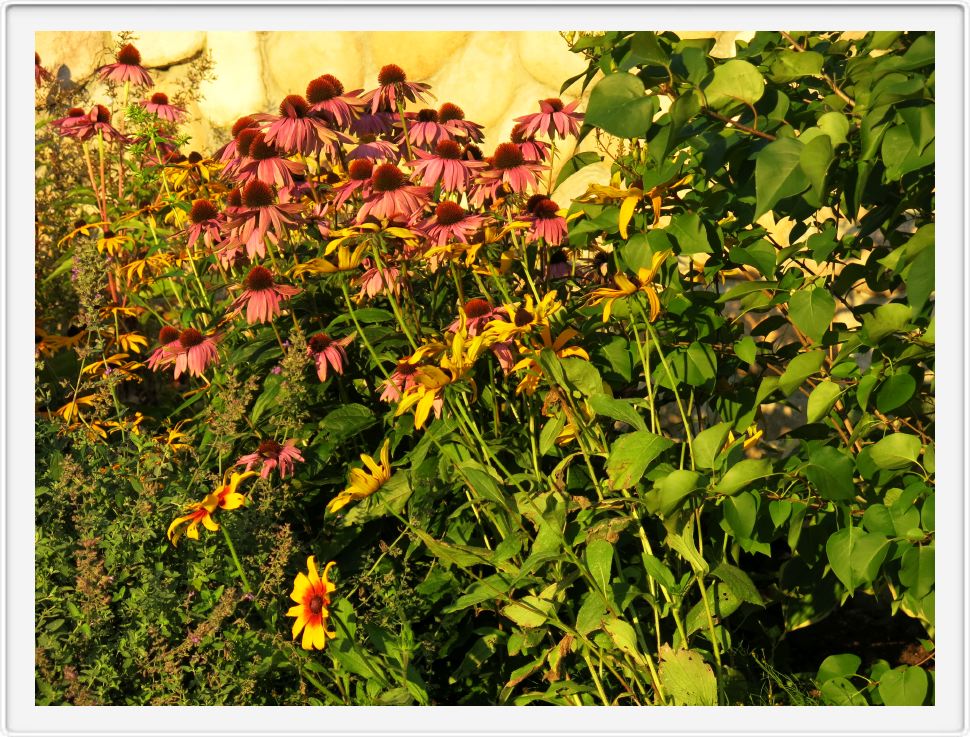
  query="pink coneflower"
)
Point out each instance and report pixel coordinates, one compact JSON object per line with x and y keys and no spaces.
{"x":451,"y":222}
{"x":300,"y":130}
{"x":453,"y":117}
{"x":326,"y":95}
{"x":234,"y":203}
{"x":159,"y":105}
{"x":510,"y":168}
{"x":478,"y":313}
{"x":370,"y":147}
{"x":319,"y":217}
{"x":546,"y":221}
{"x":261,"y":296}
{"x":328,"y":353}
{"x":445,"y":165}
{"x":374,"y":281}
{"x":359,"y":173}
{"x":554,"y":119}
{"x":165,"y":354}
{"x":532,"y":150}
{"x":261,"y":217}
{"x":503,"y":353}
{"x":558,"y":267}
{"x":229,"y":154}
{"x":273,"y":455}
{"x":394,"y":88}
{"x":41,"y":75}
{"x":401,"y":379}
{"x":207,"y":223}
{"x":380,"y":123}
{"x":127,"y":68}
{"x":265,"y":163}
{"x":424,"y":128}
{"x":392,"y":196}
{"x":67,"y":126}
{"x":193,"y":352}
{"x":97,"y":121}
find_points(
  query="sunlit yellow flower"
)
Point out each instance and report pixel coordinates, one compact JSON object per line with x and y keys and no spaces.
{"x":174,"y":437}
{"x":71,"y":411}
{"x":132,"y":342}
{"x":113,"y":243}
{"x":752,"y":436}
{"x":362,"y":483}
{"x":533,"y":372}
{"x":628,"y":286}
{"x":46,"y":344}
{"x":347,"y":260}
{"x":225,"y":497}
{"x":311,"y":592}
{"x":523,"y":318}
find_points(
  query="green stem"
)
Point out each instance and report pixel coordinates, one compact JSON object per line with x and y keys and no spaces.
{"x":235,"y":559}
{"x":360,"y":332}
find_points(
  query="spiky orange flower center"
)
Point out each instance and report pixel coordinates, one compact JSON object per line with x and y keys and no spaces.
{"x":260,"y":150}
{"x":159,"y":98}
{"x":258,"y":194}
{"x":242,"y":124}
{"x":190,"y":337}
{"x":449,"y":213}
{"x":555,"y":103}
{"x":201,"y":211}
{"x":546,"y":209}
{"x":244,"y":140}
{"x":473,"y":153}
{"x":476,"y":308}
{"x":508,"y":156}
{"x":316,"y":604}
{"x":518,"y":134}
{"x":427,"y":115}
{"x":448,"y":150}
{"x":361,"y":169}
{"x":323,"y":88}
{"x":129,"y":55}
{"x":36,"y":58}
{"x":391,"y":74}
{"x":258,"y":279}
{"x":75,"y":112}
{"x":235,"y":198}
{"x":104,"y":115}
{"x":387,"y":178}
{"x":449,"y":112}
{"x":294,"y":106}
{"x":195,"y":157}
{"x":320,"y":342}
{"x":167,"y":334}
{"x":269,"y":449}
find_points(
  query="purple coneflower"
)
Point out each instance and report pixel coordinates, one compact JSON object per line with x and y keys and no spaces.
{"x":326,"y":95}
{"x":445,"y":165}
{"x":374,"y":281}
{"x":370,"y":147}
{"x":159,"y":105}
{"x":127,"y":68}
{"x":392,"y":196}
{"x":207,"y":223}
{"x":380,"y":123}
{"x":401,"y":379}
{"x":229,"y":154}
{"x":261,"y":296}
{"x":394,"y":87}
{"x":451,"y":222}
{"x":532,"y":150}
{"x":478,"y":313}
{"x":193,"y":352}
{"x":359,"y":173}
{"x":165,"y":353}
{"x":41,"y":75}
{"x":558,"y":267}
{"x":509,"y":167}
{"x":67,"y":126}
{"x":546,"y":221}
{"x":453,"y":118}
{"x":554,"y":119}
{"x":299,"y":130}
{"x":265,"y":163}
{"x":424,"y":128}
{"x":97,"y":121}
{"x":273,"y":455}
{"x":261,"y":217}
{"x":328,"y":353}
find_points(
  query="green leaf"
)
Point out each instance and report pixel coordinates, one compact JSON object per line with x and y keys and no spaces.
{"x":464,"y":556}
{"x":577,"y":162}
{"x":747,"y":287}
{"x":617,"y":409}
{"x":843,"y":665}
{"x":623,"y":636}
{"x":836,"y":126}
{"x":591,"y":613}
{"x":812,"y":311}
{"x":746,"y":349}
{"x":630,"y":456}
{"x":741,"y":513}
{"x":672,"y":489}
{"x":689,"y":232}
{"x":895,"y":451}
{"x":734,"y":82}
{"x":760,"y":254}
{"x":856,"y":556}
{"x":739,"y":582}
{"x":830,"y":471}
{"x":619,"y":105}
{"x":918,"y":570}
{"x":841,"y":692}
{"x":530,"y":611}
{"x":708,"y":444}
{"x":778,"y":174}
{"x":644,"y":47}
{"x":741,"y":474}
{"x":688,"y":680}
{"x":895,"y":392}
{"x":599,"y":561}
{"x":800,"y":368}
{"x":583,"y":376}
{"x":822,"y":399}
{"x":347,"y":420}
{"x":790,"y":65}
{"x":885,"y":320}
{"x":814,"y":162}
{"x":904,"y":686}
{"x":921,"y":279}
{"x":697,"y":365}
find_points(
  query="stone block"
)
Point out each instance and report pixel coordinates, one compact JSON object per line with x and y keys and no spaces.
{"x":73,"y":55}
{"x":293,"y":59}
{"x":546,"y":56}
{"x":161,"y":48}
{"x":421,"y":54}
{"x":238,"y":88}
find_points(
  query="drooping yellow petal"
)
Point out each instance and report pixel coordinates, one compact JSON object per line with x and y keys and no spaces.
{"x":423,"y":408}
{"x":370,"y":463}
{"x":232,"y":500}
{"x":626,"y":214}
{"x":312,"y":574}
{"x":210,"y":524}
{"x":319,"y":636}
{"x":340,"y":501}
{"x":308,"y":635}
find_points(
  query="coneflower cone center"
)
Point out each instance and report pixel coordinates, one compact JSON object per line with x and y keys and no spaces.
{"x":104,"y":115}
{"x":427,"y":115}
{"x":195,"y":157}
{"x":129,"y":55}
{"x":391,"y":74}
{"x":448,"y":213}
{"x":546,"y":209}
{"x":448,"y":150}
{"x":320,"y":342}
{"x":323,"y":88}
{"x":159,"y":98}
{"x":555,"y":103}
{"x":508,"y":156}
{"x":190,"y":337}
{"x":316,"y":604}
{"x":235,"y":198}
{"x":167,"y":334}
{"x":202,"y":210}
{"x":294,"y":106}
{"x":257,"y":194}
{"x":523,"y":317}
{"x":258,"y":279}
{"x":387,"y":178}
{"x":449,"y":112}
{"x":242,"y":124}
{"x":269,"y":449}
{"x":476,"y":308}
{"x":361,"y":169}
{"x":260,"y":150}
{"x":244,"y":140}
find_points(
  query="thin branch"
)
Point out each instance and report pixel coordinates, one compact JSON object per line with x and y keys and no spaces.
{"x":831,"y":82}
{"x":740,"y":126}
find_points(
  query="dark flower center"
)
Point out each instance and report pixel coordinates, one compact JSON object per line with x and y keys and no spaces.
{"x":167,"y":334}
{"x":518,"y":134}
{"x":129,"y":55}
{"x":450,"y":112}
{"x":391,"y":74}
{"x":558,"y":257}
{"x":244,"y":140}
{"x":427,"y":115}
{"x":508,"y":156}
{"x":104,"y":115}
{"x":294,"y":106}
{"x":476,"y":308}
{"x":320,"y":342}
{"x":407,"y":369}
{"x":75,"y":112}
{"x":555,"y":103}
{"x":202,"y":210}
{"x":36,"y":58}
{"x":316,"y":604}
{"x":242,"y":124}
{"x":323,"y":88}
{"x":546,"y":209}
{"x":449,"y":213}
{"x":190,"y":337}
{"x":260,"y":150}
{"x":258,"y":194}
{"x":258,"y":279}
{"x":534,"y":200}
{"x":473,"y":153}
{"x":235,"y":198}
{"x":387,"y":178}
{"x":361,"y":169}
{"x":159,"y":98}
{"x":195,"y":157}
{"x":448,"y":150}
{"x":269,"y":449}
{"x":523,"y":317}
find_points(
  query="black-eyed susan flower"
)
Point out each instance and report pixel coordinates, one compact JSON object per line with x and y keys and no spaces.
{"x":533,"y":372}
{"x":364,"y":483}
{"x":225,"y":497}
{"x":311,"y":592}
{"x":627,"y":286}
{"x":523,"y":318}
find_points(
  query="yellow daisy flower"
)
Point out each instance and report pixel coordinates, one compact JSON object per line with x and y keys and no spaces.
{"x":311,"y":592}
{"x":628,"y":286}
{"x":225,"y":497}
{"x":362,"y":483}
{"x":524,"y":318}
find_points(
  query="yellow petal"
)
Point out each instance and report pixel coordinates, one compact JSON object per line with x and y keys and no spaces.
{"x":340,"y":501}
{"x":311,"y":565}
{"x":422,"y":410}
{"x":233,"y":500}
{"x":295,"y":611}
{"x":308,"y":636}
{"x":300,"y":621}
{"x":626,"y":214}
{"x":210,"y":524}
{"x":319,"y":637}
{"x":371,"y":464}
{"x":300,"y":587}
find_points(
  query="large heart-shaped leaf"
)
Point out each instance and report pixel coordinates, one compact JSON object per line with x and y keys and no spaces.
{"x":619,"y":105}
